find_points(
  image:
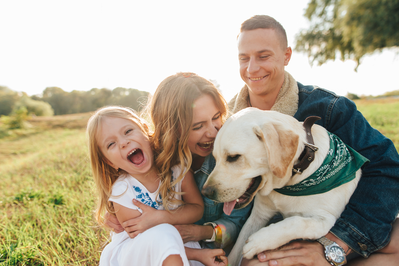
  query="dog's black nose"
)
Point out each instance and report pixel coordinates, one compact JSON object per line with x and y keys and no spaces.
{"x":209,"y":192}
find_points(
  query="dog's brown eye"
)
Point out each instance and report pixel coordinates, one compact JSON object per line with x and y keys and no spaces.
{"x":233,"y":158}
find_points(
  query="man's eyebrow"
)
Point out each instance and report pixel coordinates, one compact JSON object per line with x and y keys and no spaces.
{"x":263,"y":51}
{"x":258,"y":52}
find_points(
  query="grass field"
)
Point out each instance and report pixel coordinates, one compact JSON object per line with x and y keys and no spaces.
{"x":382,"y":114}
{"x":47,"y":195}
{"x":47,"y":198}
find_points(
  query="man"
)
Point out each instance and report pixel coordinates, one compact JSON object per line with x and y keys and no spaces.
{"x":365,"y":225}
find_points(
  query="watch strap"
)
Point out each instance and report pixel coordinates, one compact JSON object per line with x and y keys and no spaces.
{"x":213,"y":238}
{"x":325,"y":241}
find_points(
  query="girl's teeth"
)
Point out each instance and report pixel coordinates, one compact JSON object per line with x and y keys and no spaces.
{"x":133,"y":151}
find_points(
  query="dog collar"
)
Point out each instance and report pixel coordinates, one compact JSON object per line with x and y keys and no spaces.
{"x":338,"y":168}
{"x":307,"y":156}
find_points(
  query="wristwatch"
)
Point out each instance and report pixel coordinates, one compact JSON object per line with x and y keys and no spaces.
{"x":213,"y":238}
{"x":335,"y":254}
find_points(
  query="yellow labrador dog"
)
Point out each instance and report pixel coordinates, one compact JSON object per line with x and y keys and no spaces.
{"x":296,"y":169}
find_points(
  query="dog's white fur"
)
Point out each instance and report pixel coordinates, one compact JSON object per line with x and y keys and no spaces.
{"x":269,"y":144}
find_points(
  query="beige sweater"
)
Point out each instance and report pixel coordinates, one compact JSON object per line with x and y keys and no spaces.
{"x":286,"y":102}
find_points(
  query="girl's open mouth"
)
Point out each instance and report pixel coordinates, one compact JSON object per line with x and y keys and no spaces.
{"x":136,"y":156}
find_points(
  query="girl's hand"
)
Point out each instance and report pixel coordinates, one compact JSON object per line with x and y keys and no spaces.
{"x":150,"y":217}
{"x":112,"y":222}
{"x":213,"y":257}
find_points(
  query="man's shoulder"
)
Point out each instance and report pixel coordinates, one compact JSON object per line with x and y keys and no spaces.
{"x":313,"y":89}
{"x":315,"y":93}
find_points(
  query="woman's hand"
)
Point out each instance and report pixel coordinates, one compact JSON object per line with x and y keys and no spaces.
{"x":150,"y":217}
{"x":111,"y":221}
{"x":194,"y":232}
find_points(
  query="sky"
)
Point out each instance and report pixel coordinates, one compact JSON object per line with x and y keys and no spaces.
{"x":85,"y":44}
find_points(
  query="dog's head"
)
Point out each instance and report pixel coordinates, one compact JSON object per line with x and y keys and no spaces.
{"x":254,"y":151}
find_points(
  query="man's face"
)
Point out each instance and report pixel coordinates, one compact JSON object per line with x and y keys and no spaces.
{"x":262,"y":59}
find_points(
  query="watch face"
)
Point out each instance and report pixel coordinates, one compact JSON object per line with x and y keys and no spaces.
{"x":336,"y":254}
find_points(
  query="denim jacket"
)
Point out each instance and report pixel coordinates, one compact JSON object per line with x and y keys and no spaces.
{"x":213,"y":212}
{"x":365,"y":224}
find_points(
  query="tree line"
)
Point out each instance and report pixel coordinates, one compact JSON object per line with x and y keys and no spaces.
{"x":56,"y":101}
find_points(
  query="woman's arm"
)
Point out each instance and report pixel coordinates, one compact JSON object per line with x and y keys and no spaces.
{"x":190,"y":212}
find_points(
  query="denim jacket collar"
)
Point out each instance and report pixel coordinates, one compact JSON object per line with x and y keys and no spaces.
{"x":208,"y":165}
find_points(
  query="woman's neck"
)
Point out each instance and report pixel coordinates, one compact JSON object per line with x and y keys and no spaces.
{"x":197,"y":162}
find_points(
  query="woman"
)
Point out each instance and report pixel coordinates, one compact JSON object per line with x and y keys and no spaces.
{"x":187,"y":111}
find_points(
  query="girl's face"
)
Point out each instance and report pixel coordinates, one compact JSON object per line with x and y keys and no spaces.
{"x":125,"y":146}
{"x":207,"y":121}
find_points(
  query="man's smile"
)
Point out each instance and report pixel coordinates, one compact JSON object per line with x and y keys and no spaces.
{"x":256,"y":79}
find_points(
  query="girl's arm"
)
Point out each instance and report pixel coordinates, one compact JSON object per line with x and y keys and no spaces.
{"x":123,"y":213}
{"x":189,"y":213}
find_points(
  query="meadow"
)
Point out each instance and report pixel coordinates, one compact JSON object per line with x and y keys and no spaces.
{"x":47,"y":195}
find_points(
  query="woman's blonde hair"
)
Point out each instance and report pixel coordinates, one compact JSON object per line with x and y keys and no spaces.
{"x":171,"y":112}
{"x":105,"y":175}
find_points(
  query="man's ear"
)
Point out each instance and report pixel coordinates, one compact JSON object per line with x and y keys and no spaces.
{"x":287,"y":55}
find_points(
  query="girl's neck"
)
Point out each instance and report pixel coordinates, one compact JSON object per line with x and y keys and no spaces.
{"x":197,"y":162}
{"x":150,"y":180}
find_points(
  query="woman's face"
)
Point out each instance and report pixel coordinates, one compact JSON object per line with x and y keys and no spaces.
{"x":207,"y":121}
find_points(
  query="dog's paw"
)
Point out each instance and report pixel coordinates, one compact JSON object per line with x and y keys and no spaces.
{"x":249,"y":251}
{"x":253,"y":246}
{"x":257,"y":243}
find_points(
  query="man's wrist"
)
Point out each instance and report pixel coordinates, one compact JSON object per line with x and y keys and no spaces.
{"x":341,"y":243}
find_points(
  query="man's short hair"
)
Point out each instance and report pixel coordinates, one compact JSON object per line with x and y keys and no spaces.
{"x":265,"y":22}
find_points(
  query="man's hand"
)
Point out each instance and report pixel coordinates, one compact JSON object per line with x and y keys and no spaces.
{"x":297,"y":253}
{"x":150,"y":217}
{"x":193,"y":232}
{"x":111,"y":221}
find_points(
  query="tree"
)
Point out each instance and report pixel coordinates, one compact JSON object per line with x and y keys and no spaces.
{"x":352,"y":96}
{"x":352,"y":28}
{"x":7,"y":101}
{"x":38,"y":108}
{"x":56,"y":97}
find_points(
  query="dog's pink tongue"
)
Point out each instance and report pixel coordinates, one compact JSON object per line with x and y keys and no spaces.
{"x":228,"y":207}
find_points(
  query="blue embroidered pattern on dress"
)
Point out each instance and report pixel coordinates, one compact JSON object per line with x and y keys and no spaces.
{"x":145,"y":198}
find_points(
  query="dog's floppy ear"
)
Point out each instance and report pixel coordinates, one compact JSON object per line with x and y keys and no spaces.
{"x":281,"y":146}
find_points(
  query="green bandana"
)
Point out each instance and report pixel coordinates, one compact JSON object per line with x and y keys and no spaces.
{"x":338,"y":168}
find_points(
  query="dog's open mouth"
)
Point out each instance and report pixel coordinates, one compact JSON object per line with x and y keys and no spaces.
{"x":245,"y":198}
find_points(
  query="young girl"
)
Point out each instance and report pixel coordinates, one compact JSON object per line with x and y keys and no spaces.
{"x":122,"y":163}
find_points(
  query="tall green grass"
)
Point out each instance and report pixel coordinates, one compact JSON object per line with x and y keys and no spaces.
{"x":47,"y":201}
{"x":383,"y":115}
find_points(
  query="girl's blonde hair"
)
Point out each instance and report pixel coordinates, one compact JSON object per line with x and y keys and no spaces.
{"x":171,"y":112}
{"x":105,"y":175}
